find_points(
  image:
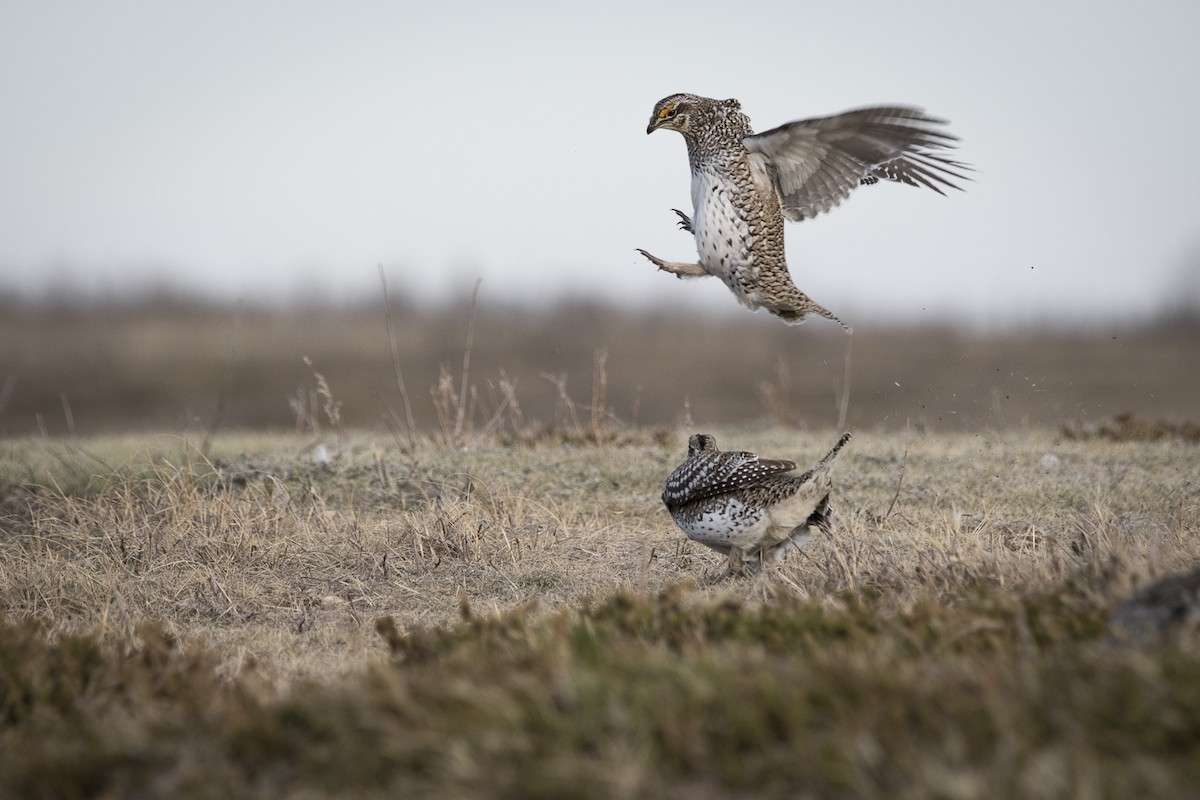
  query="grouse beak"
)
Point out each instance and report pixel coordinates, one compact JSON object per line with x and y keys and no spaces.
{"x":650,"y":128}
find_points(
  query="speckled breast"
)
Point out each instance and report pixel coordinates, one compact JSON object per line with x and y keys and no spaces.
{"x":723,"y":239}
{"x":723,"y":522}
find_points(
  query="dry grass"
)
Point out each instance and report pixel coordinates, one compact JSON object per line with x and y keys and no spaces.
{"x":275,"y":544}
{"x":269,"y":521}
{"x":524,"y":620}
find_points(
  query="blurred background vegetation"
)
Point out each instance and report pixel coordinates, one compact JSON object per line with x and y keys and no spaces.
{"x":168,"y":362}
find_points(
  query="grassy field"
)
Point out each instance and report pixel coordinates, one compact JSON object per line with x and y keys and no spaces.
{"x":441,"y":568}
{"x":352,"y":614}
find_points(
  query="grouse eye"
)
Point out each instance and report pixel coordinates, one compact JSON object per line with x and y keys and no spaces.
{"x":672,"y":112}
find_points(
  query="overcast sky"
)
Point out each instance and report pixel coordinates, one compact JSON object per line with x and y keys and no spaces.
{"x":278,"y":149}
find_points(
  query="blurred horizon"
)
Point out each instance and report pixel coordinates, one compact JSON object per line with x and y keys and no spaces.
{"x":1180,"y":302}
{"x":174,"y":363}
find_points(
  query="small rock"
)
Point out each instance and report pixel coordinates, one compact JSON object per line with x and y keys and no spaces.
{"x":1164,"y":610}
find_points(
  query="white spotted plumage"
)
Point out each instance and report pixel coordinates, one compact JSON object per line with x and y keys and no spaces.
{"x":744,"y":185}
{"x":746,"y":506}
{"x":723,"y":238}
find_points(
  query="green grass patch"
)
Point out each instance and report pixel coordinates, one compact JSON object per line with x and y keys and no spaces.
{"x":633,"y":695}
